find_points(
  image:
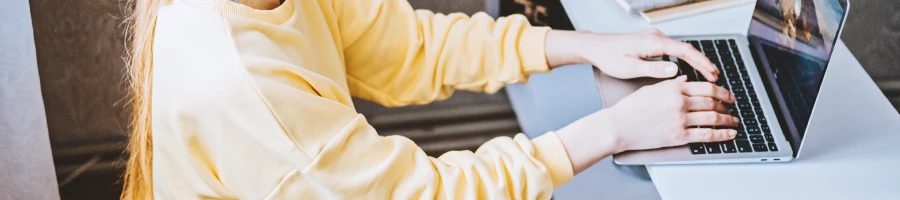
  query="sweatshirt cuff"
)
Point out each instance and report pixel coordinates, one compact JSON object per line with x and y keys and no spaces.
{"x":532,"y":50}
{"x":549,"y":150}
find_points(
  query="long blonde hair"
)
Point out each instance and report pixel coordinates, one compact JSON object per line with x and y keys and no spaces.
{"x":138,"y":178}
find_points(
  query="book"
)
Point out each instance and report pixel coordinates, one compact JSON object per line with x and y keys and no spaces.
{"x":633,"y":6}
{"x":671,"y":12}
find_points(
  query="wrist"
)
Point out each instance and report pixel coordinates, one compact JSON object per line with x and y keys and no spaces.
{"x":564,"y":48}
{"x":590,"y":139}
{"x":606,"y":133}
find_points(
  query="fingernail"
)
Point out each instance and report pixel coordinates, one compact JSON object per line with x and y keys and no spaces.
{"x":735,"y":119}
{"x":670,"y":69}
{"x":732,"y":133}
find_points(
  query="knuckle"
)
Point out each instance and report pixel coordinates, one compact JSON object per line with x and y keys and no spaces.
{"x":712,"y":118}
{"x":686,"y":46}
{"x":680,"y":134}
{"x":682,"y":120}
{"x":710,"y":88}
{"x":709,"y":134}
{"x":679,"y":103}
{"x":676,"y":86}
{"x":709,"y":103}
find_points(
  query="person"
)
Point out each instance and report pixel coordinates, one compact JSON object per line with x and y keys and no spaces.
{"x":252,"y":100}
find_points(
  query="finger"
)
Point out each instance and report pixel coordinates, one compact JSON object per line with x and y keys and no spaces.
{"x":709,"y":135}
{"x":656,"y":69}
{"x":705,"y":89}
{"x":705,"y":104}
{"x":710,"y":118}
{"x":693,"y":57}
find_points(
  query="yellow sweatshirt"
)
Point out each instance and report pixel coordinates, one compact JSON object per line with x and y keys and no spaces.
{"x":255,"y":104}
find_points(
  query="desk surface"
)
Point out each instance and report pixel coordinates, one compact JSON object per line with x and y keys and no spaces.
{"x":850,"y":151}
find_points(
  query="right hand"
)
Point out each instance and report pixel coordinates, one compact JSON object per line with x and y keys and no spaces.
{"x":655,"y":116}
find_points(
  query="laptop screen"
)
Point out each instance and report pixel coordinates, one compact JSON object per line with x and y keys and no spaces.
{"x":793,"y":40}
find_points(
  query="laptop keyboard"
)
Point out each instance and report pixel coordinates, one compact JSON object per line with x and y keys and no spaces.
{"x":753,"y":134}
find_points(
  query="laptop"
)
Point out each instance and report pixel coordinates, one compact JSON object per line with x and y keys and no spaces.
{"x":775,"y":72}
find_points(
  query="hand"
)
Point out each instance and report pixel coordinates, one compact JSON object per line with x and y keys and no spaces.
{"x":660,"y":115}
{"x":621,"y":55}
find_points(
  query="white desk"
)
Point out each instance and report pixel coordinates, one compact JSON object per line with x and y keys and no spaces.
{"x":851,"y":151}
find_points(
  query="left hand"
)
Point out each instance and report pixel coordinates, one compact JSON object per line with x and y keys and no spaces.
{"x":622,"y":55}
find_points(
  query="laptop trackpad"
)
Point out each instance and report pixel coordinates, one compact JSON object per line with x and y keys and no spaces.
{"x":614,"y":89}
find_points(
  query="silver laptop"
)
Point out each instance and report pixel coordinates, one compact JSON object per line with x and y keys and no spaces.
{"x":775,"y":72}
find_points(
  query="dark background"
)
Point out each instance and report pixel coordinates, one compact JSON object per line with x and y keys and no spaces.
{"x":80,"y":45}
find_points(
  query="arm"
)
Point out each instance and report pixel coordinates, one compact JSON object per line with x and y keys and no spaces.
{"x":358,"y":163}
{"x":397,"y":56}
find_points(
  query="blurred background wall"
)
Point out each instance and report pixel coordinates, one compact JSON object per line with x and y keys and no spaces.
{"x":80,"y":46}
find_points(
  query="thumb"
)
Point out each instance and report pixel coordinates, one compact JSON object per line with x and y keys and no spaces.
{"x":655,"y":69}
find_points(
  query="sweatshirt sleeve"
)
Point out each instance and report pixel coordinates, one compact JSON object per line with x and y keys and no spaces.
{"x":397,"y":56}
{"x":360,"y":164}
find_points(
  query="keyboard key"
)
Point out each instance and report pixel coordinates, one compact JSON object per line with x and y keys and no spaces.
{"x":747,"y":114}
{"x":760,"y":147}
{"x":728,"y":147}
{"x":757,"y":139}
{"x":741,"y":135}
{"x":758,"y":110}
{"x":695,"y":44}
{"x":744,"y":106}
{"x":765,"y":128}
{"x":735,"y":82}
{"x":732,"y":76}
{"x":749,"y":86}
{"x":725,"y":53}
{"x":753,"y":131}
{"x":729,"y":67}
{"x":769,"y":138}
{"x":750,"y":123}
{"x":739,"y":90}
{"x":743,"y":146}
{"x":746,"y":78}
{"x":726,"y":58}
{"x":697,"y":148}
{"x":721,"y":44}
{"x":741,"y":98}
{"x":687,"y":70}
{"x":762,"y":120}
{"x":772,"y":147}
{"x":713,"y":147}
{"x":706,"y":42}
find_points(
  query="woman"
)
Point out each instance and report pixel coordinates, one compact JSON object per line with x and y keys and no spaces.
{"x":251,"y":100}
